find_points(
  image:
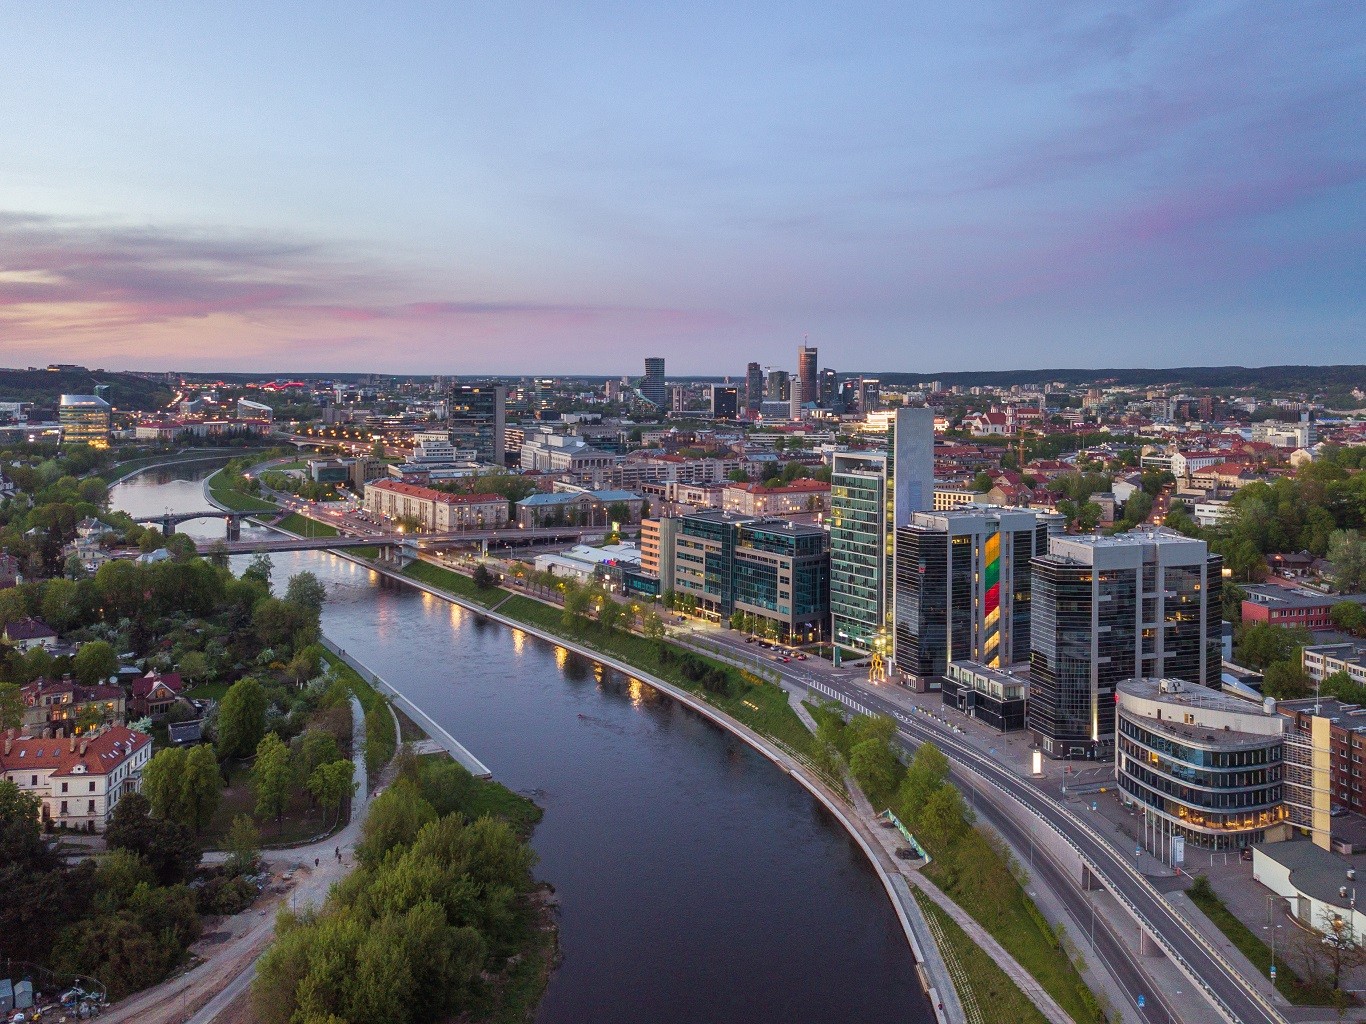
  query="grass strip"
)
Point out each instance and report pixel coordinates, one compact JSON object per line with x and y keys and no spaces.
{"x":1288,"y":982}
{"x":380,"y":742}
{"x":306,"y":527}
{"x":456,"y":582}
{"x":223,"y":492}
{"x":987,"y":993}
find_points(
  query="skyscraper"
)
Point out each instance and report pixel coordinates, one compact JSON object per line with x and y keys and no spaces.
{"x":827,"y":389}
{"x":870,"y":495}
{"x":807,"y":374}
{"x":478,"y":420}
{"x":754,"y":387}
{"x":1146,"y":603}
{"x":85,"y":419}
{"x":652,"y":386}
{"x":963,"y":588}
{"x":869,"y":398}
{"x":777,"y":386}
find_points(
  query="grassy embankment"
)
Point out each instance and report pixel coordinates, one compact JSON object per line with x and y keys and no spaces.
{"x":306,"y":527}
{"x":379,"y":724}
{"x":1288,"y":982}
{"x":226,"y":488}
{"x":987,"y":993}
{"x":975,"y":870}
{"x":761,"y":706}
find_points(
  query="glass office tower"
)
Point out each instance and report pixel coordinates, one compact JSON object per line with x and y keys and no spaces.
{"x":1141,"y":604}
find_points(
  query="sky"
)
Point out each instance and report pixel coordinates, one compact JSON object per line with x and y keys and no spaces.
{"x":504,"y":188}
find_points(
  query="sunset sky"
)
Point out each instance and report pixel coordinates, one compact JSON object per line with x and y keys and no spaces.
{"x":505,"y":188}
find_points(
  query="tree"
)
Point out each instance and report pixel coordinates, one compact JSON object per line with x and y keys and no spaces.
{"x":653,"y":627}
{"x":306,"y":590}
{"x":483,"y":579}
{"x":618,"y":512}
{"x":272,"y":777}
{"x":943,"y":817}
{"x":201,"y":788}
{"x":331,"y":783}
{"x":259,"y":569}
{"x":394,"y":818}
{"x":194,"y":666}
{"x":161,"y":781}
{"x":1258,"y":644}
{"x":218,"y":555}
{"x":1350,"y":617}
{"x":11,"y":706}
{"x":874,"y":766}
{"x":60,"y":608}
{"x":927,"y":773}
{"x":284,"y":626}
{"x":95,"y":662}
{"x":1286,"y":680}
{"x":1347,"y":552}
{"x":1341,"y":947}
{"x":244,"y":845}
{"x":241,"y":718}
{"x":167,"y":846}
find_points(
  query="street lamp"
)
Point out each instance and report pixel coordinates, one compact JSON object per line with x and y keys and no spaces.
{"x":1273,"y":929}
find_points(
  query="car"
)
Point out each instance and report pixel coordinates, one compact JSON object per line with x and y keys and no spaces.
{"x":749,"y":639}
{"x":785,"y":659}
{"x":801,"y":657}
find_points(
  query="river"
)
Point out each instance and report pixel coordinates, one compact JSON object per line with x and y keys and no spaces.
{"x":697,"y":882}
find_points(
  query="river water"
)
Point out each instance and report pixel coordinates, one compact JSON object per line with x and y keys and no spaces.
{"x":697,"y":882}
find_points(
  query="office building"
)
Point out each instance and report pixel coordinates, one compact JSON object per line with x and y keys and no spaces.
{"x":85,"y":419}
{"x":807,"y":374}
{"x":773,"y":569}
{"x":990,"y":695}
{"x":1325,"y":746}
{"x":869,"y":395}
{"x":652,"y":387}
{"x":657,"y":548}
{"x":871,"y":493}
{"x":1204,"y":766}
{"x":777,"y":390}
{"x":725,"y":402}
{"x":477,"y":420}
{"x":1143,"y":604}
{"x":963,"y":589}
{"x":754,"y":387}
{"x":827,"y":389}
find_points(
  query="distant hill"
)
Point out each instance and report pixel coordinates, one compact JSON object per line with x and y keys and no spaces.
{"x":45,"y":387}
{"x":1276,"y":378}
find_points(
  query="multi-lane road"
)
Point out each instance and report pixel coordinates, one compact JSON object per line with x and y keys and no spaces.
{"x":1018,"y":806}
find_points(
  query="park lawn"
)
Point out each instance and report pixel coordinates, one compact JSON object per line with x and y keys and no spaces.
{"x":980,"y":982}
{"x":300,"y":822}
{"x":305,"y":527}
{"x":368,"y":553}
{"x":227,"y":496}
{"x":1288,"y":982}
{"x":456,"y":582}
{"x":380,"y":742}
{"x":207,"y":691}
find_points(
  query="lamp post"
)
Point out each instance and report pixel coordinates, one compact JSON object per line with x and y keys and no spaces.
{"x":1273,"y":929}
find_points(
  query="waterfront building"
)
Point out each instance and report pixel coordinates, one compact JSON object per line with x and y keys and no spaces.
{"x":871,"y":493}
{"x":1202,"y":765}
{"x":990,"y":695}
{"x":963,"y":589}
{"x":477,"y":420}
{"x":85,"y":419}
{"x":434,"y":510}
{"x":652,"y":386}
{"x":774,"y":569}
{"x":1146,"y":604}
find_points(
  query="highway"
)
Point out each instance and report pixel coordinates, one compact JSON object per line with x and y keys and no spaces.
{"x":1013,"y":799}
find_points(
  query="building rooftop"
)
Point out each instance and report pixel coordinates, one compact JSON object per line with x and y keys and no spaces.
{"x":97,"y":755}
{"x":1178,"y":697}
{"x":1292,"y":597}
{"x":1314,"y":871}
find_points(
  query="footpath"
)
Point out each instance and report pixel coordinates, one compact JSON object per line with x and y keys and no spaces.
{"x":202,"y":993}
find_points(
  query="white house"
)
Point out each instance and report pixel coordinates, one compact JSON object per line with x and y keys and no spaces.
{"x":79,"y":779}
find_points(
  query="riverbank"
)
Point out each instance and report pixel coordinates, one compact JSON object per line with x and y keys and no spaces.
{"x":933,"y":974}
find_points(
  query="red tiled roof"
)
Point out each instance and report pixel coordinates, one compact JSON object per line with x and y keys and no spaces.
{"x":429,"y":494}
{"x":798,"y":486}
{"x":144,"y":685}
{"x":98,"y":755}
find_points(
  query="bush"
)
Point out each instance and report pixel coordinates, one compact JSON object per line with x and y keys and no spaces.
{"x":225,"y":896}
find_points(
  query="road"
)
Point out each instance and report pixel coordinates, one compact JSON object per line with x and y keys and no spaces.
{"x":1010,"y":794}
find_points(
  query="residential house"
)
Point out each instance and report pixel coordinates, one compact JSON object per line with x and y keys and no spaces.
{"x":29,"y":633}
{"x":79,"y":780}
{"x":57,"y":706}
{"x":154,"y":693}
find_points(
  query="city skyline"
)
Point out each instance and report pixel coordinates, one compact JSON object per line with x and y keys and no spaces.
{"x":565,"y":192}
